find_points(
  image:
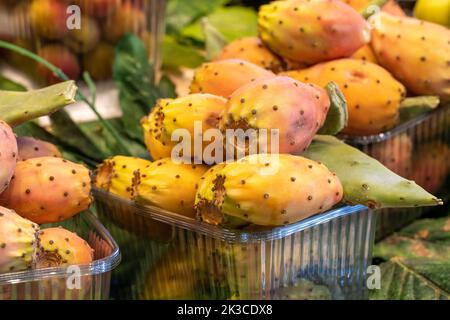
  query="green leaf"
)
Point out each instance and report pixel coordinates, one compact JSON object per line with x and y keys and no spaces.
{"x":232,"y":22}
{"x":176,"y":55}
{"x":214,"y":40}
{"x":180,"y":13}
{"x":18,"y":107}
{"x":167,"y":87}
{"x":337,"y":116}
{"x":9,"y":85}
{"x":432,"y":230}
{"x":412,"y":280}
{"x":413,"y":107}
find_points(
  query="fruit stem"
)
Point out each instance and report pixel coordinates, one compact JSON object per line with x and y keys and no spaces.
{"x":58,"y":72}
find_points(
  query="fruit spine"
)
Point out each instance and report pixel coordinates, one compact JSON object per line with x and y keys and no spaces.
{"x":271,"y":190}
{"x":312,"y":31}
{"x":18,"y":240}
{"x":293,"y":108}
{"x":416,"y":52}
{"x":48,"y":189}
{"x":8,"y":154}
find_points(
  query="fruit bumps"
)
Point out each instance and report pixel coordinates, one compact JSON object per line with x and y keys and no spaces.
{"x":309,"y":32}
{"x":267,"y":190}
{"x":48,"y":189}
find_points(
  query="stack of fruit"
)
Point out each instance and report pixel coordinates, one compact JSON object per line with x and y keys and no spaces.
{"x":38,"y":187}
{"x":307,"y":173}
{"x":72,"y":39}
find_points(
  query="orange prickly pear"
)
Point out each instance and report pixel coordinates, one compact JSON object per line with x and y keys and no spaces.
{"x":223,"y":77}
{"x":358,"y":80}
{"x":415,"y":52}
{"x":251,"y":49}
{"x":312,"y":31}
{"x":365,"y":53}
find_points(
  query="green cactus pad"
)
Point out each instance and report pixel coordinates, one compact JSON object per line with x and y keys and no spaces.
{"x":337,"y":116}
{"x":19,"y":107}
{"x":365,"y":180}
{"x":413,"y":107}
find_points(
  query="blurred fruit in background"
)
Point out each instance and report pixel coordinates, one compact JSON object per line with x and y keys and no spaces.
{"x":437,"y":11}
{"x":60,"y":57}
{"x":98,"y":62}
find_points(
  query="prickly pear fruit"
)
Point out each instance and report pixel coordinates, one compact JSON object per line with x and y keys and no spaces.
{"x":34,"y":148}
{"x":99,"y":61}
{"x":365,"y":53}
{"x":366,"y":181}
{"x":169,"y":185}
{"x":390,"y":6}
{"x":18,"y":240}
{"x":248,"y":191}
{"x":8,"y":154}
{"x":312,"y":31}
{"x":85,"y":38}
{"x":297,"y":110}
{"x":59,"y":247}
{"x":126,"y":18}
{"x":224,"y":77}
{"x":395,"y":154}
{"x":251,"y":49}
{"x":116,"y":174}
{"x":48,"y":18}
{"x":62,"y":58}
{"x":170,"y":115}
{"x":431,"y":166}
{"x":415,"y":51}
{"x":48,"y":189}
{"x":358,"y":80}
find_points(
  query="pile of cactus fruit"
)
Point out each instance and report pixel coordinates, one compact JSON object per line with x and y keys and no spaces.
{"x":38,"y":187}
{"x":318,"y":68}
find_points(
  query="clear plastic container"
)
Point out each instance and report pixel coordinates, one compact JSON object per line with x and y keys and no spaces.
{"x":175,"y":257}
{"x":419,"y":150}
{"x":79,"y":35}
{"x":52,"y":283}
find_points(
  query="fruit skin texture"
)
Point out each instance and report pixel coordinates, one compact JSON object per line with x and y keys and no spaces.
{"x":365,"y":53}
{"x":48,"y":189}
{"x":312,"y":31}
{"x":116,"y":174}
{"x":8,"y":154}
{"x":391,"y":6}
{"x":297,"y":110}
{"x":415,"y":52}
{"x":48,"y":18}
{"x":60,"y":247}
{"x":127,"y":18}
{"x":431,"y":166}
{"x":18,"y":240}
{"x":99,"y":61}
{"x":169,"y":185}
{"x":223,"y":77}
{"x":251,"y":49}
{"x":30,"y":148}
{"x":358,"y":80}
{"x":395,"y":153}
{"x":244,"y":190}
{"x":84,"y":39}
{"x":62,"y":58}
{"x":180,"y":113}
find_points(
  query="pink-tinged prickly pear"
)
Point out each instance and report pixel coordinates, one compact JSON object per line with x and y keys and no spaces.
{"x":431,"y":166}
{"x":116,"y":174}
{"x":243,"y":193}
{"x":251,"y":49}
{"x":98,"y":8}
{"x":416,"y":52}
{"x":297,"y":110}
{"x":59,"y":247}
{"x":48,"y":18}
{"x":312,"y":31}
{"x":8,"y":154}
{"x":34,"y":148}
{"x":358,"y":80}
{"x":169,"y":185}
{"x":18,"y":240}
{"x":391,"y":6}
{"x":224,"y":77}
{"x":62,"y":58}
{"x":170,"y":115}
{"x":365,"y":53}
{"x":48,"y":189}
{"x":395,"y":153}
